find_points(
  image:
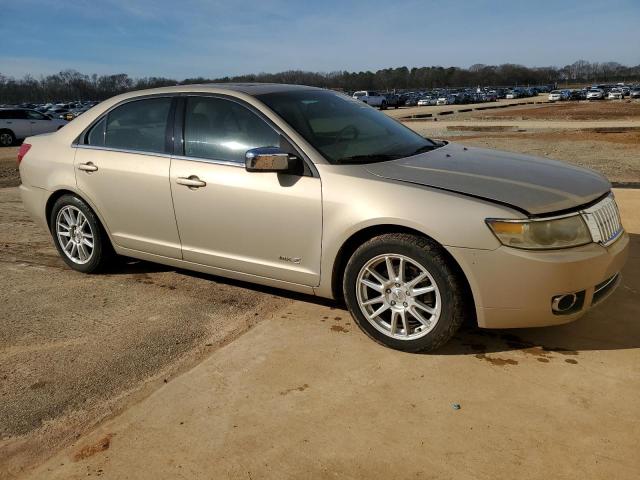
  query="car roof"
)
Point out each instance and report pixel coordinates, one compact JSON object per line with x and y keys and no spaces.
{"x":249,"y":88}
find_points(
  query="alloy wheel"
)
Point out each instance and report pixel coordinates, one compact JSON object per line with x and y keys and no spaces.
{"x":74,"y":234}
{"x":6,"y":139}
{"x":398,"y":296}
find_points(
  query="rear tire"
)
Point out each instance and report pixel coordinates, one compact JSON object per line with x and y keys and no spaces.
{"x":383,"y":106}
{"x":79,"y":236}
{"x":7,"y":138}
{"x":403,"y":325}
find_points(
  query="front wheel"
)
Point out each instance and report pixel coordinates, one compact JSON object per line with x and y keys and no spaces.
{"x":403,"y":292}
{"x":383,"y":106}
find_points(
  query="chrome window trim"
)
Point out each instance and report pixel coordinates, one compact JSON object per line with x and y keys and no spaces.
{"x":227,"y":163}
{"x":122,"y":150}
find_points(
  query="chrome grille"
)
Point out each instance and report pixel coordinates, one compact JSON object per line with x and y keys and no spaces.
{"x":603,"y":220}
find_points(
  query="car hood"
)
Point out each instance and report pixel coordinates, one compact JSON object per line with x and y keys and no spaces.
{"x":530,"y":184}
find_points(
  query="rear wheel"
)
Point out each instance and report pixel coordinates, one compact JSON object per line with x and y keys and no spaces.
{"x":383,"y":106}
{"x":78,"y":235}
{"x":403,"y":292}
{"x":7,"y":138}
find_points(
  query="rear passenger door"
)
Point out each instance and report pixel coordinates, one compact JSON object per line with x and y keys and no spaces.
{"x":39,"y":123}
{"x":122,"y":167}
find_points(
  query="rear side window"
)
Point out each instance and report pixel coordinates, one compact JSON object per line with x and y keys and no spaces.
{"x":33,"y":115}
{"x":14,"y":114}
{"x":138,"y":125}
{"x":220,"y":129}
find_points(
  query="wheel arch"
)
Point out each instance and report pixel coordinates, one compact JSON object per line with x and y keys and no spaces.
{"x":67,"y":191}
{"x":351,"y":244}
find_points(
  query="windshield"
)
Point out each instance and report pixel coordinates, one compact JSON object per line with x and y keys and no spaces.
{"x":345,"y":130}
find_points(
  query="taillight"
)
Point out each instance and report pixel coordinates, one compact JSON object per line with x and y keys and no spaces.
{"x":24,"y":148}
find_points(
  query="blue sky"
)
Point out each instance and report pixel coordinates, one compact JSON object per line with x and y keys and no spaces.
{"x":212,"y":38}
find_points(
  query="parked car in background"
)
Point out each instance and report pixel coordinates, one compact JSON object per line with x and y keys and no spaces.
{"x":578,"y":94}
{"x":446,"y":100}
{"x":426,"y":101}
{"x":18,"y":123}
{"x":557,"y":95}
{"x":634,"y":92}
{"x":615,"y":94}
{"x":393,"y":100}
{"x":371,"y":98}
{"x":512,"y":94}
{"x":595,"y":94}
{"x":429,"y":234}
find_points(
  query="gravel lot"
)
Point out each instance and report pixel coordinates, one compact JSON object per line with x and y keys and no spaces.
{"x":583,"y":133}
{"x":75,"y":349}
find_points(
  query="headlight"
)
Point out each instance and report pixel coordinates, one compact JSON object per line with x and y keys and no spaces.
{"x":541,"y":234}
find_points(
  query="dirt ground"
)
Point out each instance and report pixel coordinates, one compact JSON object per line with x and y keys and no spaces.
{"x":8,"y":170}
{"x":615,"y":155}
{"x":604,"y":136}
{"x":76,"y":348}
{"x":595,"y":110}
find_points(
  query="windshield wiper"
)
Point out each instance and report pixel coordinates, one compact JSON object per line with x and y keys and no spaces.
{"x":423,"y":149}
{"x":380,"y":157}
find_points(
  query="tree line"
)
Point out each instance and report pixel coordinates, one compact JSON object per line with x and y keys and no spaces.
{"x":71,"y":85}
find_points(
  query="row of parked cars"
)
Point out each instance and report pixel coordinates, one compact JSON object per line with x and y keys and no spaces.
{"x":61,"y":110}
{"x":442,"y":96}
{"x":596,"y":92}
{"x":18,"y":122}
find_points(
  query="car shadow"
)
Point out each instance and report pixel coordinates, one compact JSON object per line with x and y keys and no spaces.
{"x":613,"y":325}
{"x":132,"y":266}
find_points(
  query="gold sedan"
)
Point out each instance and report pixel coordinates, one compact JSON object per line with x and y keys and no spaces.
{"x":309,"y":190}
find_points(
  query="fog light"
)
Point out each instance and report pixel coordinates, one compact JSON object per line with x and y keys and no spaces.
{"x":567,"y":303}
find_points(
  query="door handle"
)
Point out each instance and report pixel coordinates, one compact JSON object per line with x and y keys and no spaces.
{"x":192,"y":182}
{"x":87,"y":167}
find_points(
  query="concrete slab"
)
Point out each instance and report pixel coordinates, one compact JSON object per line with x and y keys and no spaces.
{"x":306,"y":395}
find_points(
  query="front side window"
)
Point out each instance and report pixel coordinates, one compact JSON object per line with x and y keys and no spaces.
{"x":343,"y":129}
{"x":220,"y":129}
{"x":139,"y":125}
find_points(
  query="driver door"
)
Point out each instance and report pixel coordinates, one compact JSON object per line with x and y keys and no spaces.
{"x":263,"y":224}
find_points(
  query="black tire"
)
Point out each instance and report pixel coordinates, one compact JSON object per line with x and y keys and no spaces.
{"x":383,"y":106}
{"x":102,"y":252}
{"x":7,"y":138}
{"x":454,"y":297}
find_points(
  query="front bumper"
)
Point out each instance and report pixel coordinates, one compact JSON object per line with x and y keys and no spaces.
{"x":514,"y":288}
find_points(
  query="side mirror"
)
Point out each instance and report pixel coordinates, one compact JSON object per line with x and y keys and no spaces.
{"x":269,"y":159}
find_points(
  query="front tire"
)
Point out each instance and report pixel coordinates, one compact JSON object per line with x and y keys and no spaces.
{"x":403,"y":292}
{"x":78,"y":235}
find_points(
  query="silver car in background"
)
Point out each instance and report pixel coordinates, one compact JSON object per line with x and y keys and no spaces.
{"x":309,"y":190}
{"x":19,"y":123}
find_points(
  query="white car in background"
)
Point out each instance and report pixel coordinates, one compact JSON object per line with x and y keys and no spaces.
{"x":445,"y":101}
{"x":426,"y":101}
{"x":556,"y":96}
{"x":19,"y":123}
{"x":615,"y":94}
{"x":595,"y":94}
{"x":371,"y":98}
